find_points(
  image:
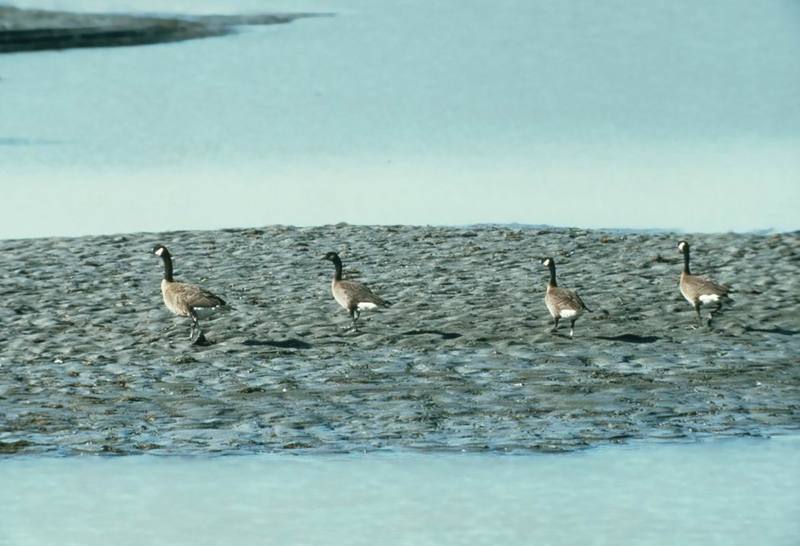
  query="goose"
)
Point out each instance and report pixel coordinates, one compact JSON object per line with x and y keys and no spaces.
{"x":561,"y":302}
{"x":352,"y":295}
{"x":699,"y":290}
{"x":185,"y":299}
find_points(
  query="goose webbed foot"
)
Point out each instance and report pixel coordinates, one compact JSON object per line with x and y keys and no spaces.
{"x":200,"y":339}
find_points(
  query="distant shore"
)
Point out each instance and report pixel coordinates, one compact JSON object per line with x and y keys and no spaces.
{"x":37,"y":30}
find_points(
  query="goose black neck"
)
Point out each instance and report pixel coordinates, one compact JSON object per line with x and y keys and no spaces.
{"x":167,"y":259}
{"x":337,"y":262}
{"x":552,"y":268}
{"x":686,"y":261}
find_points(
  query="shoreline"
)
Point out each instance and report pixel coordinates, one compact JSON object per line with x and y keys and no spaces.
{"x":28,"y":30}
{"x":611,"y":231}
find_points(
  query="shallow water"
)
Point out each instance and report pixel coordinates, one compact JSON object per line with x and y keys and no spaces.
{"x":592,"y":114}
{"x":713,"y":493}
{"x":91,"y":361}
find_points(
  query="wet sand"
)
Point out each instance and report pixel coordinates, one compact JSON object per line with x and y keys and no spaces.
{"x":33,"y":30}
{"x":92,"y":362}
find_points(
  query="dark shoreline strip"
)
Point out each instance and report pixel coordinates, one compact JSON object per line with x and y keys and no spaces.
{"x":34,"y":30}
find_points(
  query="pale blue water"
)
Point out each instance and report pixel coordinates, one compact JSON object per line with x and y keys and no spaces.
{"x":620,"y":114}
{"x":718,"y":493}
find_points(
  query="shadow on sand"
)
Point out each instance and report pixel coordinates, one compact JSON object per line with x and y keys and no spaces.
{"x":775,"y":330}
{"x":283,"y":344}
{"x":630,"y":338}
{"x":445,"y":335}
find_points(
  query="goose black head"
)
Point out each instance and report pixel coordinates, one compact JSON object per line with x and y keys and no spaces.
{"x":160,"y":250}
{"x":331,"y":256}
{"x":683,"y":246}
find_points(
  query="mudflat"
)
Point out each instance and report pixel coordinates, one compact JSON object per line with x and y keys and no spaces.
{"x":92,"y":362}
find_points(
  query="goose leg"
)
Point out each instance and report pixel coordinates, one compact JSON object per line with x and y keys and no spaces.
{"x":194,"y":326}
{"x":713,"y":312}
{"x":196,"y":335}
{"x":354,"y":313}
{"x":571,"y":328}
{"x":555,"y":325}
{"x":711,"y":316}
{"x":697,"y":310}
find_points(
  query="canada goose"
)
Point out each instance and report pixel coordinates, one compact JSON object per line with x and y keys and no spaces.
{"x":561,"y":302}
{"x":699,"y":290}
{"x":184,"y":299}
{"x":352,"y":295}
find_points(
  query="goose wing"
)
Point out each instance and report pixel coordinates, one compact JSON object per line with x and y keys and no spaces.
{"x":192,"y":295}
{"x":356,"y":292}
{"x":580,"y":301}
{"x":567,"y":299}
{"x":703,"y":285}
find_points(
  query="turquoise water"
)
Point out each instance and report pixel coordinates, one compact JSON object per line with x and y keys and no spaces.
{"x":581,"y":114}
{"x":715,"y":493}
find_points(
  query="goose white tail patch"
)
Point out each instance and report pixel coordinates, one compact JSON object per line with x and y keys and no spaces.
{"x":205,"y":312}
{"x":708,"y":298}
{"x":366,"y":305}
{"x":568,"y":313}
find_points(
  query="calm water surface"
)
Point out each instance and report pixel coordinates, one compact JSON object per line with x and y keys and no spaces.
{"x":717,"y":493}
{"x":614,"y":109}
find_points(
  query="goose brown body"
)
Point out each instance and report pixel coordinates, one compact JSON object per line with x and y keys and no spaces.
{"x":562,"y":302}
{"x":699,"y":290}
{"x":352,"y":295}
{"x":182,"y":298}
